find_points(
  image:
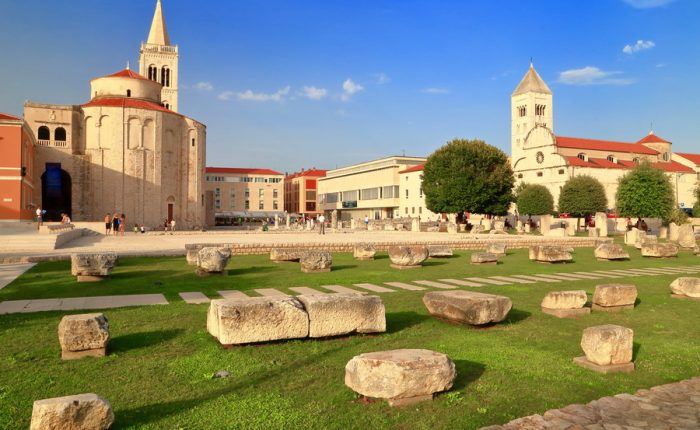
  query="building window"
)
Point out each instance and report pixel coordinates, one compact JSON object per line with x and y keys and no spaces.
{"x":275,"y":205}
{"x":217,"y":204}
{"x":413,"y":210}
{"x":539,"y":157}
{"x":247,"y":204}
{"x":561,"y":171}
{"x":60,"y":134}
{"x":274,"y":194}
{"x":420,"y":209}
{"x":406,"y":208}
{"x":261,"y":194}
{"x":217,"y":191}
{"x":666,"y":156}
{"x":539,"y":173}
{"x":128,"y":93}
{"x":247,"y":193}
{"x":406,"y":193}
{"x":192,"y":142}
{"x":44,"y":133}
{"x":420,"y":191}
{"x":611,"y":158}
{"x":261,"y":205}
{"x":582,"y":156}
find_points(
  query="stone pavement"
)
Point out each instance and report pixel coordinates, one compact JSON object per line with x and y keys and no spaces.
{"x":671,"y":406}
{"x":9,"y":272}
{"x":79,"y":303}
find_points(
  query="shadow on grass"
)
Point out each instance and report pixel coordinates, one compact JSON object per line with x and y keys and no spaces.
{"x":467,"y":372}
{"x":429,"y":263}
{"x":398,"y":321}
{"x":381,"y":257}
{"x":343,"y":267}
{"x":636,"y":346}
{"x":141,"y":274}
{"x":142,"y":339}
{"x":253,"y":269}
{"x":517,"y":315}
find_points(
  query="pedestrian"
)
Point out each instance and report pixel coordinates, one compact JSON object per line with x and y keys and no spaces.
{"x":65,"y":219}
{"x":172,"y":224}
{"x":143,"y":229}
{"x":122,"y":224}
{"x":39,"y":217}
{"x":136,"y":228}
{"x":108,"y":224}
{"x":115,"y":224}
{"x":366,"y":220}
{"x":165,"y":225}
{"x":321,"y":224}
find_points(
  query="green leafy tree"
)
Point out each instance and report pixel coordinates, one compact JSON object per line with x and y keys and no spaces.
{"x":645,"y":192}
{"x":535,"y":199}
{"x":696,"y":206}
{"x":582,"y":195}
{"x":468,"y":175}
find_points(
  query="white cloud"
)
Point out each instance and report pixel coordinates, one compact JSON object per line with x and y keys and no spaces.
{"x":278,"y":96}
{"x":381,"y":78}
{"x":350,"y":88}
{"x":640,"y":45}
{"x":660,"y":65}
{"x":314,"y":93}
{"x":647,"y":4}
{"x":433,"y":90}
{"x":226,"y":95}
{"x":592,"y":76}
{"x":204,"y":86}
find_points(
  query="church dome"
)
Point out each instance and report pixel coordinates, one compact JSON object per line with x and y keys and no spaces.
{"x":126,"y":83}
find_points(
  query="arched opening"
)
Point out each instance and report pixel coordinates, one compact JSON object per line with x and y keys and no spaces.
{"x":128,"y":93}
{"x":171,"y":208}
{"x":60,"y":134}
{"x":582,"y":156}
{"x":55,"y":192}
{"x":152,"y":73}
{"x":44,"y":133}
{"x":611,"y":158}
{"x":164,"y":75}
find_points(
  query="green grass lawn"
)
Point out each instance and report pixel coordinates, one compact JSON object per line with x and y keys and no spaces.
{"x":158,"y":372}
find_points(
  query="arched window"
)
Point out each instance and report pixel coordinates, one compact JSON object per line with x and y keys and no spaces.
{"x":165,"y":76}
{"x":153,"y":73}
{"x":60,"y":134}
{"x":666,"y":156}
{"x":636,"y":160}
{"x":611,"y":158}
{"x":44,"y":133}
{"x":128,"y":93}
{"x":582,"y":156}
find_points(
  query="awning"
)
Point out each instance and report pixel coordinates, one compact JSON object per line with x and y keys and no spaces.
{"x":249,"y":214}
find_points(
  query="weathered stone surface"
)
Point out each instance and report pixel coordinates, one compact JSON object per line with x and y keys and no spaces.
{"x":192,"y":250}
{"x":439,"y":251}
{"x":80,"y":412}
{"x":607,"y":344}
{"x":601,"y":223}
{"x":484,"y":258}
{"x":611,"y":295}
{"x":556,"y":232}
{"x":644,"y":238}
{"x":468,"y":307}
{"x":686,"y":236}
{"x":213,"y":260}
{"x":316,"y":261}
{"x":84,"y":332}
{"x":673,"y":231}
{"x":400,"y":374}
{"x":549,"y":254}
{"x":408,"y":256}
{"x":257,"y":319}
{"x":696,"y":251}
{"x":593,"y":232}
{"x":452,"y":227}
{"x":631,"y":237}
{"x":659,"y":250}
{"x":498,"y":248}
{"x":611,"y":251}
{"x":338,"y":314}
{"x":364,"y":251}
{"x":565,"y":299}
{"x":93,"y":264}
{"x":285,"y":254}
{"x":686,"y":286}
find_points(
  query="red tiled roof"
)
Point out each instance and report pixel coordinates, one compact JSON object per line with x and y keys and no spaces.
{"x":605,"y":163}
{"x":127,"y":73}
{"x":673,"y":166}
{"x":573,"y":160}
{"x":695,"y":158}
{"x":8,"y":116}
{"x":598,"y":163}
{"x":652,"y":138}
{"x":603,"y":145}
{"x":416,"y":168}
{"x":126,"y":102}
{"x":319,"y":173}
{"x":627,"y":163}
{"x":243,"y":170}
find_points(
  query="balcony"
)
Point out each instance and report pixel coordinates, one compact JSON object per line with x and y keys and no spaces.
{"x":54,"y":143}
{"x":149,"y":47}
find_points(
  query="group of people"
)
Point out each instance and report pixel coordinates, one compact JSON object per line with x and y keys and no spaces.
{"x":169,"y":225}
{"x":115,"y":224}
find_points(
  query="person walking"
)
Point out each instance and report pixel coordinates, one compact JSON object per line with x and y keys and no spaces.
{"x":366,"y":221}
{"x":115,"y":224}
{"x":172,"y":224}
{"x":321,"y":224}
{"x":39,"y":217}
{"x":108,"y":224}
{"x":122,"y":224}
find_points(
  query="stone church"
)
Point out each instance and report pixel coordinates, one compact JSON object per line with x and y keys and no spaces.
{"x":539,"y":156}
{"x":127,"y":149}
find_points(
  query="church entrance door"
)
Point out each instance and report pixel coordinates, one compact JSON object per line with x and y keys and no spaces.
{"x":55,"y":192}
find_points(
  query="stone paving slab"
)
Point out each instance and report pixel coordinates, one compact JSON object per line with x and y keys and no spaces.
{"x":194,"y":298}
{"x":434,"y":284}
{"x":681,"y":269}
{"x":307,"y":291}
{"x":461,"y":283}
{"x":627,"y":273}
{"x":80,"y":303}
{"x":535,"y":278}
{"x":656,"y":271}
{"x":512,"y":280}
{"x":270,"y":292}
{"x":559,"y":277}
{"x":233,"y":294}
{"x":644,"y":272}
{"x":404,"y":286}
{"x":341,"y":289}
{"x":670,"y":406}
{"x":581,"y":275}
{"x":606,"y":274}
{"x":10,"y":272}
{"x":374,"y":288}
{"x":489,"y":281}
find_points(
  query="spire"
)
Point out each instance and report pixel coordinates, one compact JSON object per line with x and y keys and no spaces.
{"x":532,"y":82}
{"x":159,"y":32}
{"x":128,"y":65}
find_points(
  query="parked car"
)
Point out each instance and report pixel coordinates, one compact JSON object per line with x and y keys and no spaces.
{"x":688,"y":211}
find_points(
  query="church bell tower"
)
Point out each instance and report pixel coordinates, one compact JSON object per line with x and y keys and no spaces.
{"x":531,"y":106}
{"x":158,"y":59}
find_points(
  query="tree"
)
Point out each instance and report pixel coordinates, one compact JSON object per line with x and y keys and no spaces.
{"x":582,"y":195}
{"x":645,"y":192}
{"x":468,"y":176}
{"x":535,"y":200}
{"x":696,"y":206}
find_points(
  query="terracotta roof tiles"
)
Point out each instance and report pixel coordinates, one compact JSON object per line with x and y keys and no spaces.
{"x":603,"y":145}
{"x":242,"y":170}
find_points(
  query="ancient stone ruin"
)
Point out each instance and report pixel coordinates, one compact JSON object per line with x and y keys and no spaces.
{"x":211,"y":261}
{"x":565,"y":304}
{"x":549,"y":254}
{"x":316,"y":261}
{"x":92,"y":267}
{"x":614,"y":297}
{"x":81,"y":411}
{"x":192,"y":250}
{"x":659,"y":250}
{"x":402,"y":376}
{"x":483,"y":258}
{"x":608,"y":349}
{"x":467,"y":307}
{"x":498,"y":248}
{"x":686,"y":288}
{"x":610,"y":251}
{"x":84,"y":335}
{"x":364,"y":251}
{"x":439,"y":251}
{"x":279,"y":255}
{"x":407,"y":257}
{"x":686,"y":236}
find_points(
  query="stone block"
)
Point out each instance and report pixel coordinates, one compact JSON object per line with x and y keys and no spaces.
{"x":339,"y":314}
{"x":285,"y":254}
{"x":612,"y":297}
{"x":601,"y":223}
{"x":567,"y":313}
{"x":611,"y":251}
{"x":364,"y":251}
{"x":83,"y":335}
{"x":212,"y":260}
{"x":604,"y":369}
{"x":483,"y":258}
{"x":192,"y":250}
{"x":659,"y":250}
{"x":439,"y":251}
{"x":686,"y":286}
{"x":631,"y":237}
{"x":79,"y":412}
{"x":93,"y":265}
{"x":403,"y":376}
{"x":593,"y":232}
{"x":316,"y":261}
{"x":673,"y":231}
{"x":498,"y":248}
{"x":467,"y":307}
{"x":452,"y":228}
{"x":407,"y":256}
{"x":607,"y":344}
{"x":565,"y":299}
{"x":257,"y":319}
{"x":549,"y":254}
{"x":686,"y":236}
{"x":645,"y":238}
{"x":556,"y":232}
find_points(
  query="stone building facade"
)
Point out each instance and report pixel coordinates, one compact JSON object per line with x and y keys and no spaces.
{"x":301,"y":192}
{"x":125,"y":150}
{"x":245,"y":193}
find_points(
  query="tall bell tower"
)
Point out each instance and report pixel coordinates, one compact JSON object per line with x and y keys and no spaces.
{"x":531,"y":106}
{"x":158,"y":59}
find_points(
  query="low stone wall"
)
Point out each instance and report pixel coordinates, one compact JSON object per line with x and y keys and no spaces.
{"x":66,"y":236}
{"x":55,"y":228}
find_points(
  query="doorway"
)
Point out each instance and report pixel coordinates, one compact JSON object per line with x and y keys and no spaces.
{"x":170,"y":212}
{"x":55,"y":192}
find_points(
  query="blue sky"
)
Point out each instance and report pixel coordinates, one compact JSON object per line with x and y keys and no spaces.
{"x":292,"y":84}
